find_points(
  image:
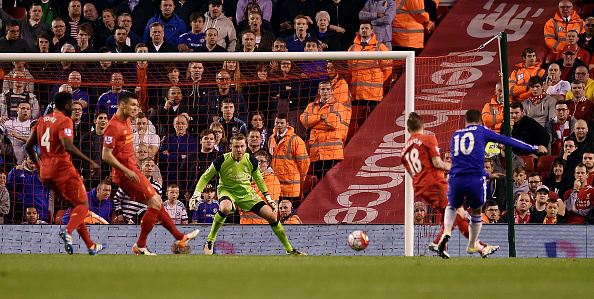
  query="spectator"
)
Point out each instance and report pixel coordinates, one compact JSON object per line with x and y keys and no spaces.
{"x":143,"y":135}
{"x":31,"y":28}
{"x":108,"y":101}
{"x":257,"y":122}
{"x":552,"y":208}
{"x":100,"y":202}
{"x":285,"y":94}
{"x":296,"y":42}
{"x":79,"y":127}
{"x":51,"y":10}
{"x":409,"y":25}
{"x":157,"y":43}
{"x":132,"y":39}
{"x":559,"y":179}
{"x":90,"y":13}
{"x":586,"y":37}
{"x":220,"y":138}
{"x":210,"y":106}
{"x":568,"y":63}
{"x":329,"y":39}
{"x":572,"y":41}
{"x":579,"y":106}
{"x":526,"y":129}
{"x":559,"y":127}
{"x":367,"y":84}
{"x":340,"y":90}
{"x":128,"y":211}
{"x":74,"y":19}
{"x":91,"y":144}
{"x":539,"y":106}
{"x":537,"y":211}
{"x":172,"y":25}
{"x":175,"y":208}
{"x":272,"y":184}
{"x":206,"y":209}
{"x":82,"y":97}
{"x":254,"y":138}
{"x":520,"y":182}
{"x":18,"y":129}
{"x":380,"y":14}
{"x":323,"y":119}
{"x":215,"y":18}
{"x":292,"y":9}
{"x":264,"y":5}
{"x":521,"y":212}
{"x":32,"y":217}
{"x":235,"y":71}
{"x":43,"y":45}
{"x":556,"y":28}
{"x":577,"y":200}
{"x":290,"y":160}
{"x":85,"y":32}
{"x":197,"y":163}
{"x":493,"y":112}
{"x":195,"y":91}
{"x":120,"y":38}
{"x":4,"y":198}
{"x":287,"y":215}
{"x":141,"y":11}
{"x":175,"y":148}
{"x":554,"y":86}
{"x":174,"y":106}
{"x":582,"y":74}
{"x":30,"y":191}
{"x":264,"y":38}
{"x":518,"y":80}
{"x":535,"y":181}
{"x":194,"y":38}
{"x":141,"y":152}
{"x":492,"y":212}
{"x":12,"y":43}
{"x":231,"y":124}
{"x":420,"y":216}
{"x":243,"y":24}
{"x":279,"y":45}
{"x":18,"y":66}
{"x":248,"y":43}
{"x":108,"y":28}
{"x":10,"y":100}
{"x":212,"y":37}
{"x":496,"y":189}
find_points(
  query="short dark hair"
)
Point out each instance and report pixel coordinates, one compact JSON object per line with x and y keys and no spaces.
{"x":99,"y":112}
{"x":281,"y":40}
{"x":489,"y":160}
{"x":281,"y":115}
{"x":12,"y":23}
{"x":562,"y":102}
{"x":310,"y":40}
{"x":578,"y":82}
{"x":254,"y":130}
{"x":516,"y":105}
{"x":491,"y":203}
{"x":197,"y":15}
{"x":125,"y":97}
{"x":527,"y":51}
{"x":116,"y":28}
{"x":61,"y":99}
{"x":473,"y":116}
{"x":366,"y":23}
{"x":535,"y":80}
{"x":589,"y":149}
{"x":571,"y":138}
{"x":264,"y":153}
{"x":237,"y":136}
{"x":534,"y":174}
{"x":24,"y":102}
{"x":519,"y":169}
{"x":140,"y":45}
{"x":414,"y":122}
{"x":172,"y":185}
{"x":227,"y":100}
{"x":87,"y":27}
{"x":206,"y":132}
{"x":580,"y":165}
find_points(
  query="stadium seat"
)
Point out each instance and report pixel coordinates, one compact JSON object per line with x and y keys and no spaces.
{"x":551,"y":57}
{"x":17,"y":12}
{"x":544,"y":165}
{"x":59,"y":215}
{"x":528,"y":163}
{"x":586,"y":11}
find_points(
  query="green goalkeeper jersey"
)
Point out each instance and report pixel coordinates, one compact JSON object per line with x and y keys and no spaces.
{"x":234,"y":176}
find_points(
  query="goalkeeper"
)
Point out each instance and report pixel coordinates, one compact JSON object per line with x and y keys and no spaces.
{"x":235,"y":172}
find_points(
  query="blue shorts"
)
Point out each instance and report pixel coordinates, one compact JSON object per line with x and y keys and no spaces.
{"x":469,"y":187}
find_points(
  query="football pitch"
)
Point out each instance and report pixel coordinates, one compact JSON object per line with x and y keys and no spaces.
{"x":199,"y":276}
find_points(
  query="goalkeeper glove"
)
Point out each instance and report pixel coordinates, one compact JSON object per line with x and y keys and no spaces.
{"x":271,"y":202}
{"x":194,"y":200}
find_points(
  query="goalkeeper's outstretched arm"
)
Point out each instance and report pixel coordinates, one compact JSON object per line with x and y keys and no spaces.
{"x":203,"y":181}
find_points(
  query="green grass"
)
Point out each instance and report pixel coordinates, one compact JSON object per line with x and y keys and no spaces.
{"x":198,"y":276}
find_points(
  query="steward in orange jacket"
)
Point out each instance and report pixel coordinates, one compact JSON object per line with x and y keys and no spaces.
{"x":272,"y":184}
{"x":493,"y":112}
{"x":289,"y":158}
{"x":556,"y":28}
{"x":368,"y":76}
{"x":410,"y":23}
{"x":343,"y":95}
{"x":518,"y":80}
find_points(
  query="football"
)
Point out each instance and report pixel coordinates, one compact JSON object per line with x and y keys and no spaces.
{"x":180,"y":250}
{"x":358,"y":240}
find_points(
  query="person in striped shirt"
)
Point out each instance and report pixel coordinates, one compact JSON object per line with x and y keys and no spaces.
{"x":175,"y":208}
{"x":127,"y":210}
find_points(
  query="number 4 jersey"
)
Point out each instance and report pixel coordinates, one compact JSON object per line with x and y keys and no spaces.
{"x":55,"y":161}
{"x":416,"y":158}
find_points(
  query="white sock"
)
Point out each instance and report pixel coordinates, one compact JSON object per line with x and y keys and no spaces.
{"x":448,"y":220}
{"x":476,"y":223}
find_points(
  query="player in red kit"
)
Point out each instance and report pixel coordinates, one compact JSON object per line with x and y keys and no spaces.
{"x":118,"y":151}
{"x":56,"y":170}
{"x":420,"y":156}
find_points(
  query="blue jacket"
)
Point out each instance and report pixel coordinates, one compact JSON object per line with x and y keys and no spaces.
{"x":176,"y":146}
{"x":205,"y":212}
{"x":30,"y":191}
{"x":173,"y":29}
{"x":108,"y":101}
{"x":103,"y":209}
{"x":209,"y":106}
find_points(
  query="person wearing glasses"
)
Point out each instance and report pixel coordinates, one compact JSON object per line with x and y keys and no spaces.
{"x":491,"y":213}
{"x":559,"y":127}
{"x":582,"y":74}
{"x":585,"y":39}
{"x":556,"y":28}
{"x":12,"y":43}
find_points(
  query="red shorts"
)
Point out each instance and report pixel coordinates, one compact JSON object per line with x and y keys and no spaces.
{"x":68,"y":187}
{"x":434,"y":195}
{"x":141,"y":191}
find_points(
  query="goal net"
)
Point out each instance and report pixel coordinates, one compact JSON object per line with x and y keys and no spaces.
{"x":192,"y":103}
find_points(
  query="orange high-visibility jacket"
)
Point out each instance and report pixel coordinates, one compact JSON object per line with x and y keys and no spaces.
{"x":410,"y":22}
{"x":555,"y":30}
{"x":493,"y":115}
{"x":290,"y":161}
{"x":293,"y":219}
{"x":325,"y":136}
{"x":343,"y":95}
{"x":274,"y":189}
{"x":368,"y":76}
{"x":518,"y":80}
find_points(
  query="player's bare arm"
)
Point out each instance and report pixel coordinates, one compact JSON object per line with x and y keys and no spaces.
{"x":30,"y":147}
{"x":74,"y":152}
{"x":440,"y":164}
{"x":107,"y":155}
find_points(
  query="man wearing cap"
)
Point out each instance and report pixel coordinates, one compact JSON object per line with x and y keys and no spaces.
{"x":569,"y":62}
{"x":537,"y":211}
{"x":572,"y":40}
{"x":215,"y":18}
{"x":556,"y":28}
{"x":535,"y":181}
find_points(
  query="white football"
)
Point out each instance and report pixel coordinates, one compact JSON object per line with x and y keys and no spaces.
{"x":358,"y":240}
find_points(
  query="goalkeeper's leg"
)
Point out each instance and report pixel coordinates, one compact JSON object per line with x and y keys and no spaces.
{"x":225,"y":207}
{"x":266,"y":212}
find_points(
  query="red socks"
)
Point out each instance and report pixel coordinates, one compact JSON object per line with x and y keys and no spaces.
{"x":168,"y":224}
{"x":77,"y":221}
{"x":146,"y":225}
{"x":82,"y":232}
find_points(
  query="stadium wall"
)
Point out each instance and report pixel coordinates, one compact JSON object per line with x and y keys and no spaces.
{"x":564,"y":241}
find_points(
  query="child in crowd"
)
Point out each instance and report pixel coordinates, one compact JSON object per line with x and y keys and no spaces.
{"x":520,"y":182}
{"x":206,"y":209}
{"x":175,"y":208}
{"x":552,"y":216}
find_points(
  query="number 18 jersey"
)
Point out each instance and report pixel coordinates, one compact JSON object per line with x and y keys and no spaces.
{"x":50,"y":129}
{"x":416,"y":158}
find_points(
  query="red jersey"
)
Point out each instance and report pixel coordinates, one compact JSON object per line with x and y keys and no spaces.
{"x":119,"y":136}
{"x":416,"y":158}
{"x":54,"y":158}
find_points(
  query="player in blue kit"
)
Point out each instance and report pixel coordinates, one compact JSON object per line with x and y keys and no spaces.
{"x":468,"y":176}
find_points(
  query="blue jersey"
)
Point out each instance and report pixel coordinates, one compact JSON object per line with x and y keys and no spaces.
{"x":468,"y":149}
{"x":205,"y":212}
{"x":192,"y":40}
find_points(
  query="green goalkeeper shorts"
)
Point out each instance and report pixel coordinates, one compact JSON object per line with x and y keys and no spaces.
{"x":245,"y":202}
